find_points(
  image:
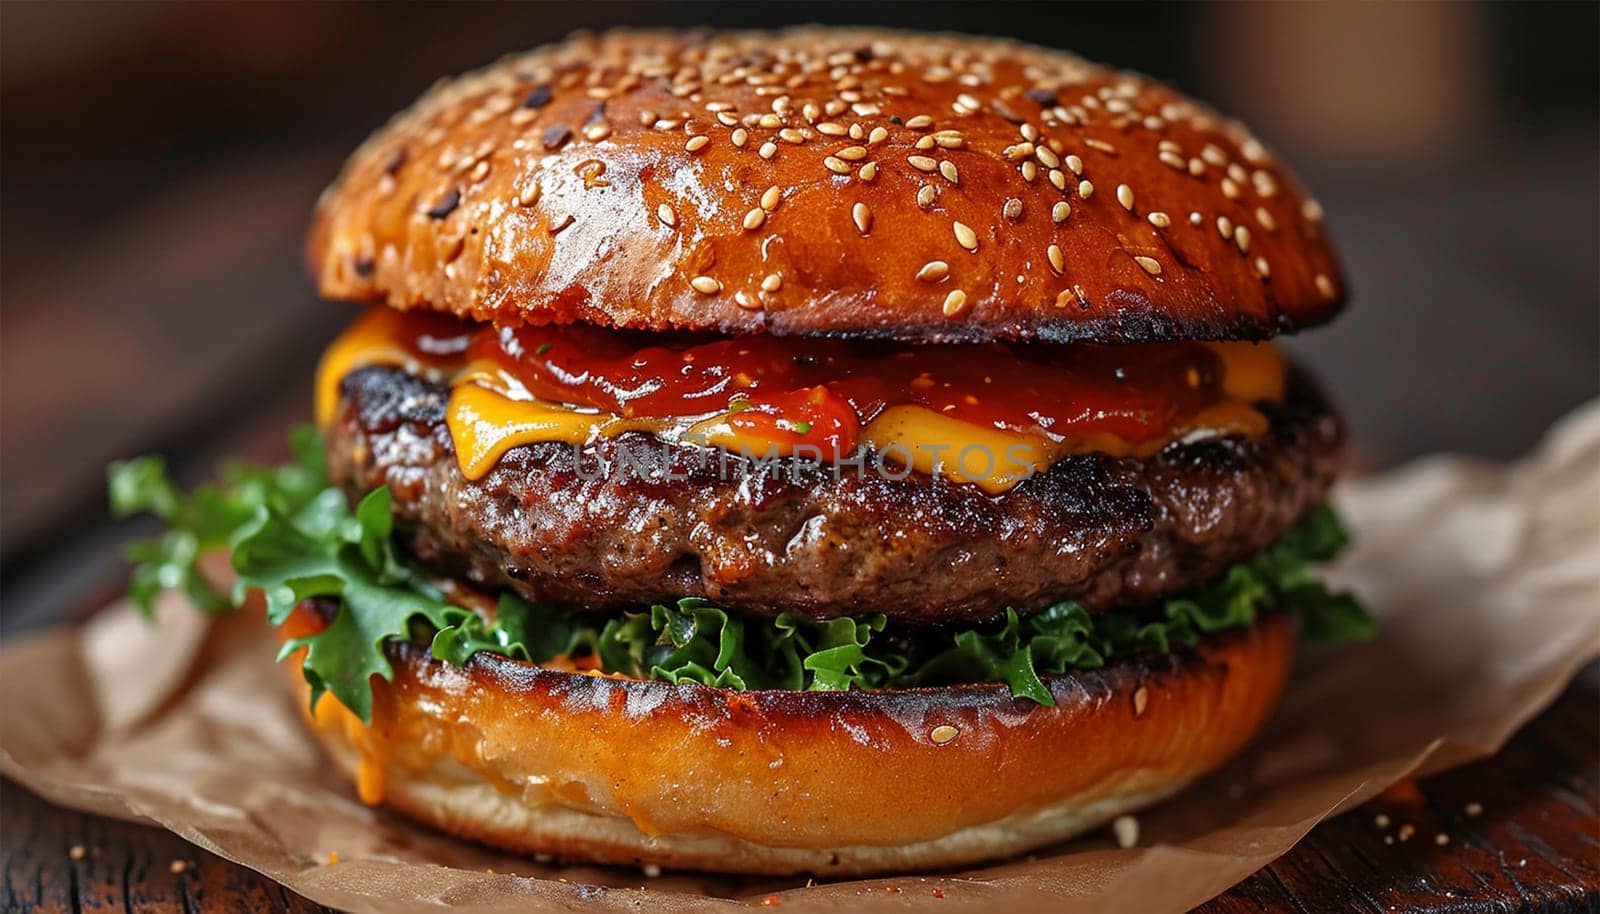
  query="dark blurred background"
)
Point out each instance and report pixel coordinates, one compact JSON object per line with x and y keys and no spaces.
{"x":158,"y":163}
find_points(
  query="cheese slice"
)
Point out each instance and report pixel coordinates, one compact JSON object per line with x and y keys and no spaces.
{"x":490,"y":413}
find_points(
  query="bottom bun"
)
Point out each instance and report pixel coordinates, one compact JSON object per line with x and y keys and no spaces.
{"x":599,"y":769}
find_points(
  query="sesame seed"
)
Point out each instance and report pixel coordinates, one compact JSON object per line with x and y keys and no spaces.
{"x":922,"y":163}
{"x":955,"y":303}
{"x":178,"y":867}
{"x":529,"y":195}
{"x":705,"y":285}
{"x":1172,"y":160}
{"x":1195,"y":218}
{"x":1126,"y":830}
{"x":1012,"y":209}
{"x":1141,"y":700}
{"x":754,"y":218}
{"x":920,"y":122}
{"x":852,"y":153}
{"x":696,"y":143}
{"x":740,"y":137}
{"x":862,"y":217}
{"x":1241,"y":237}
{"x":965,"y":236}
{"x":1101,"y":145}
{"x":944,"y":733}
{"x":1058,"y":261}
{"x":771,"y":197}
{"x":772,"y":282}
{"x":1030,"y":170}
{"x":767,"y":150}
{"x":949,"y":139}
{"x":1311,"y":210}
{"x":926,"y":195}
{"x":1262,"y":268}
{"x":1441,"y":839}
{"x":836,"y":165}
{"x":1230,"y":189}
{"x":968,"y":102}
{"x":868,"y":172}
{"x":1149,"y":265}
{"x":1085,"y":189}
{"x":923,"y":142}
{"x":1075,"y":165}
{"x":829,"y":128}
{"x":1125,"y":196}
{"x":1473,"y":810}
{"x":1197,"y":167}
{"x":770,"y":121}
{"x":1225,"y":227}
{"x":1063,"y":298}
{"x":1214,"y":155}
{"x":1058,"y":178}
{"x":878,"y":135}
{"x":948,"y":169}
{"x":1159,"y":220}
{"x":1016,"y":152}
{"x":933,"y":271}
{"x":792,"y":136}
{"x":666,"y":215}
{"x":1265,"y":219}
{"x":1325,"y":285}
{"x":1060,"y":211}
{"x":1046,"y":158}
{"x":1266,"y":185}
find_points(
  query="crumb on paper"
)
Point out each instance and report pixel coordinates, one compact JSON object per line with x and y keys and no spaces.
{"x":1381,"y":820}
{"x":1126,"y":828}
{"x":652,"y":871}
{"x":770,"y":901}
{"x":333,"y":856}
{"x":177,"y":867}
{"x":938,"y":893}
{"x":1474,"y":809}
{"x":76,"y":852}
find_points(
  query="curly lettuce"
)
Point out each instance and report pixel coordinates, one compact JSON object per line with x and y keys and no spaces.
{"x":293,"y":536}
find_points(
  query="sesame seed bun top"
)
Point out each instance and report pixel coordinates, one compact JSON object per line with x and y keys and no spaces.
{"x":828,"y":182}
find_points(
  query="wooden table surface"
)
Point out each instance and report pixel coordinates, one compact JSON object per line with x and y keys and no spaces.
{"x":206,"y":334}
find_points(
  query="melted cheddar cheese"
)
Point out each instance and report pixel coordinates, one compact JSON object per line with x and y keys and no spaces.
{"x":490,"y":412}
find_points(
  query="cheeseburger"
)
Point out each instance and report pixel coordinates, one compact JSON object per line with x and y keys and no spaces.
{"x":829,"y":451}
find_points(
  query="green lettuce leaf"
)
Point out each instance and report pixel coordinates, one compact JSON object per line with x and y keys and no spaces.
{"x":293,"y":536}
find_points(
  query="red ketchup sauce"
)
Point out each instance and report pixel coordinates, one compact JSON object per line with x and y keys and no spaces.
{"x":823,"y":392}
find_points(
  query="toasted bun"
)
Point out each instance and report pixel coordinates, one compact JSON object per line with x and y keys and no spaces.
{"x":826,"y":181}
{"x":590,"y":768}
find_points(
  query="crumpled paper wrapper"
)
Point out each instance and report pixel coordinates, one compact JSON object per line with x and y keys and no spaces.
{"x":1486,"y":580}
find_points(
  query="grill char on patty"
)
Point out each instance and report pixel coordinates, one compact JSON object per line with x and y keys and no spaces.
{"x":1107,"y":532}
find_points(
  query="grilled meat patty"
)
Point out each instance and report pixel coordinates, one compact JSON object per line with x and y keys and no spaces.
{"x":682,"y":521}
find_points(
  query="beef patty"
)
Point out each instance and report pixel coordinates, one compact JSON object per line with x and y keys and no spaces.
{"x":546,"y":523}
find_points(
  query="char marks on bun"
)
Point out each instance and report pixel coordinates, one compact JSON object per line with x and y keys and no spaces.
{"x":826,"y":182}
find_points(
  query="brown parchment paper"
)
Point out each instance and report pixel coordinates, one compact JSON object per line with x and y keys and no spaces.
{"x":1486,"y":580}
